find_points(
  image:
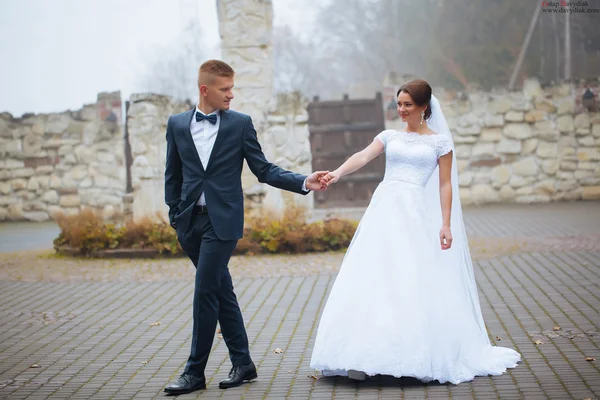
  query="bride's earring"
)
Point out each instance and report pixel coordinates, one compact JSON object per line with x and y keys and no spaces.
{"x":422,"y":115}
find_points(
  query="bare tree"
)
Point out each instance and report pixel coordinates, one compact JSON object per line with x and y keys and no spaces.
{"x":304,"y":66}
{"x":358,"y":42}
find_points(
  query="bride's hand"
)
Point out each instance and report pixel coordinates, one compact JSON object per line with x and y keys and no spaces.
{"x":331,"y":177}
{"x":445,"y":238}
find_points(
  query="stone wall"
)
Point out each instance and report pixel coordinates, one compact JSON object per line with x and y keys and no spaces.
{"x":528,"y":146}
{"x":61,"y":162}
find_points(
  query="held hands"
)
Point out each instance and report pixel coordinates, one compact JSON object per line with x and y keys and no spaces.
{"x":330,"y":178}
{"x":320,"y":180}
{"x":445,"y":237}
{"x":314,"y":181}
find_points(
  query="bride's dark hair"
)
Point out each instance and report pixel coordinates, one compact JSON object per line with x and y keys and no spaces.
{"x":420,"y":91}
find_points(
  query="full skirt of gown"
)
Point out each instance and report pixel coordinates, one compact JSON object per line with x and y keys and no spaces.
{"x":395,"y":309}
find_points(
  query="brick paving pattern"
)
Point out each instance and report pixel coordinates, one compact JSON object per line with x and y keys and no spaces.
{"x":120,"y":329}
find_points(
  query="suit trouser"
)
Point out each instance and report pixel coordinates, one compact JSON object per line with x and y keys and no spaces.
{"x":214,"y":298}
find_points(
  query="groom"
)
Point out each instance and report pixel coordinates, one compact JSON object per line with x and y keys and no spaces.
{"x":205,"y":152}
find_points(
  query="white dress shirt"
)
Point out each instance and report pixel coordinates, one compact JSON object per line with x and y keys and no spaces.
{"x":204,"y":135}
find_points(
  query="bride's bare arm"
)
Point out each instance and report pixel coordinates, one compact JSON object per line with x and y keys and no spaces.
{"x":355,"y":162}
{"x":445,"y":163}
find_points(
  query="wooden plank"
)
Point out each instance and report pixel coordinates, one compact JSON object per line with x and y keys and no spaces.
{"x":339,"y":129}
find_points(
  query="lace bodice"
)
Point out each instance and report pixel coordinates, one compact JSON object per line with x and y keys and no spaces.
{"x":412,"y":157}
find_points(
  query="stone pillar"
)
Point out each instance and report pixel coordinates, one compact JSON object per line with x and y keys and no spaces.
{"x":147,"y":125}
{"x":245,"y":27}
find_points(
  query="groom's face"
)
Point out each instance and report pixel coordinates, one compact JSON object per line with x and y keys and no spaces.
{"x":218,"y":92}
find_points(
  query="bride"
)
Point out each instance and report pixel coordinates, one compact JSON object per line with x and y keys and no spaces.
{"x":405,"y":300}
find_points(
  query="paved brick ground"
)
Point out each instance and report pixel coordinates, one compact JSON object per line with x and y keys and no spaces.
{"x":116,"y":338}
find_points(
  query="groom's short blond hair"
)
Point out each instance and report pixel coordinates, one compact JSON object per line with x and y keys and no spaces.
{"x":212,"y":68}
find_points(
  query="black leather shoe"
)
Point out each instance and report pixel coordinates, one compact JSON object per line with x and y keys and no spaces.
{"x":238,"y":375}
{"x":186,"y":383}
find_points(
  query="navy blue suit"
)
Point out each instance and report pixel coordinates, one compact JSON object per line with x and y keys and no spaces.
{"x":209,"y":239}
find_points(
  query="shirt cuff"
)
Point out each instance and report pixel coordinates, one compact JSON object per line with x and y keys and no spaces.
{"x":304,"y":189}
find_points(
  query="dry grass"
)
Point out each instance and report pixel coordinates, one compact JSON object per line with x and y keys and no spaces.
{"x":269,"y":232}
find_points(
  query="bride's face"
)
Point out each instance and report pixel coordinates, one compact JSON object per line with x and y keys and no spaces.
{"x":408,"y":110}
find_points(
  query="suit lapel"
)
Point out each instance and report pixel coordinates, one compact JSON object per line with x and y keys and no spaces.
{"x":223,"y":127}
{"x":188,"y":135}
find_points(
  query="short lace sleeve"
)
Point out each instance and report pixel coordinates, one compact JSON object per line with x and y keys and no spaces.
{"x":443,"y":146}
{"x":383,"y":137}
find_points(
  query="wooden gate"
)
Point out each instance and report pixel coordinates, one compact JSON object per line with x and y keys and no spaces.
{"x":339,"y":129}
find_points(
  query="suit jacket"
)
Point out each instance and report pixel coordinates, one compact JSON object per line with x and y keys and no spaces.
{"x":221,"y":179}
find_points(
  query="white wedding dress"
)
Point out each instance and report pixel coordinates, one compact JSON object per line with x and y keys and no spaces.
{"x":400,"y":305}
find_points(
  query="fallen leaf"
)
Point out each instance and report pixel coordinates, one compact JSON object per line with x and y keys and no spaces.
{"x":498,"y":338}
{"x":590,"y":359}
{"x":556,"y":328}
{"x":218,"y":330}
{"x":314,"y":376}
{"x":157,"y":323}
{"x":220,"y":336}
{"x":538,"y":342}
{"x":35,"y":366}
{"x":278,"y":351}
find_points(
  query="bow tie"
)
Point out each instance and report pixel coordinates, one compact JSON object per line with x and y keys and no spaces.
{"x":212,"y":118}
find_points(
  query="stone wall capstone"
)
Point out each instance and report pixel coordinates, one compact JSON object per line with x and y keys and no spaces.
{"x":61,"y":162}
